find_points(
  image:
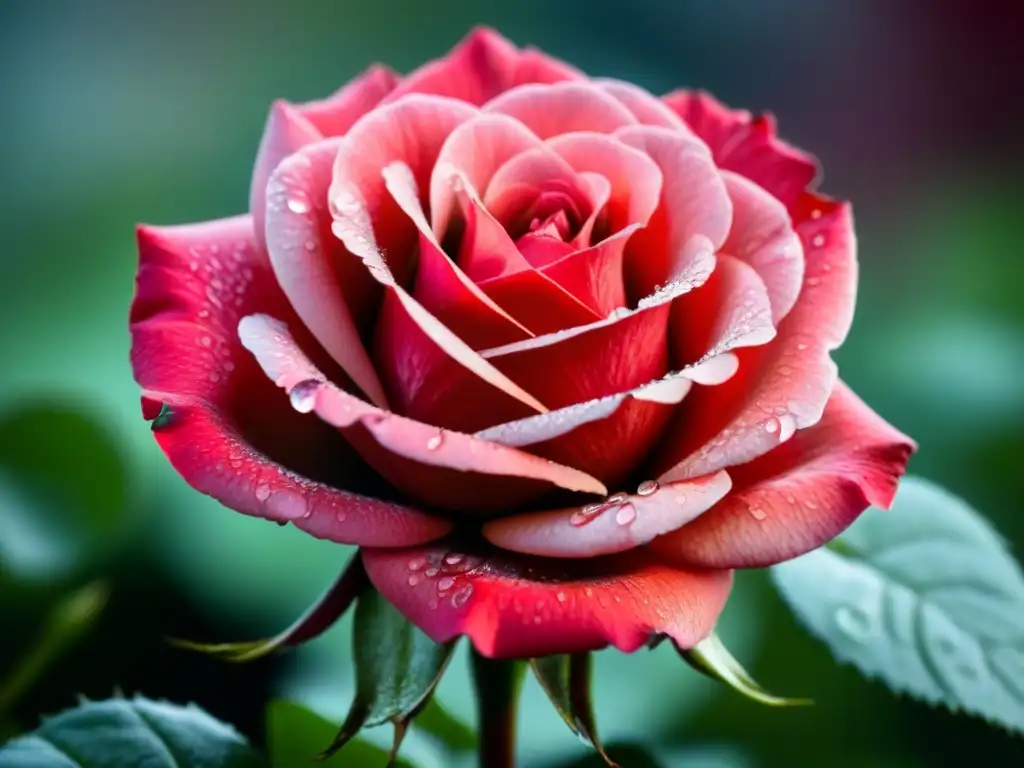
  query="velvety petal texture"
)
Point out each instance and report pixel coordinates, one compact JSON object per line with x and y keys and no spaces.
{"x":553,"y":351}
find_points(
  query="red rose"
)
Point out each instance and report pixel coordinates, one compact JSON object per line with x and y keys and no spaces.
{"x":554,"y":351}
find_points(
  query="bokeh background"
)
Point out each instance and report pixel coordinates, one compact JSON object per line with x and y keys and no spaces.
{"x":121,"y":111}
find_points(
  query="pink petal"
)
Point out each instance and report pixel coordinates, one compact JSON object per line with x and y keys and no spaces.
{"x":417,"y":356}
{"x":477,"y":149}
{"x":599,"y":192}
{"x":731,"y":310}
{"x":618,"y":353}
{"x":622,"y":522}
{"x":328,"y":288}
{"x":783,"y":386}
{"x":337,"y":113}
{"x":747,"y":145}
{"x":287,"y":131}
{"x":634,"y":177}
{"x":228,"y":432}
{"x":480,"y":67}
{"x":800,"y":495}
{"x":609,"y":437}
{"x":515,"y":606}
{"x":441,"y":287}
{"x":551,"y":110}
{"x":411,"y":131}
{"x":445,"y":468}
{"x":518,"y":183}
{"x":646,"y":108}
{"x":694,"y":201}
{"x":762,"y":235}
{"x":594,"y":275}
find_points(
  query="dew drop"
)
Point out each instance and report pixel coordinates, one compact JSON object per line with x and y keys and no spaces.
{"x":462,"y":595}
{"x":561,"y":597}
{"x":262,"y":492}
{"x":758,"y":514}
{"x":625,"y":515}
{"x":289,"y":504}
{"x":647,"y":487}
{"x":445,"y":583}
{"x":435,"y":442}
{"x":432,"y":571}
{"x":454,"y":559}
{"x":417,"y":563}
{"x":309,"y":245}
{"x":771,"y":426}
{"x":587,"y":514}
{"x":818,"y":241}
{"x":298,"y":206}
{"x":618,"y":498}
{"x":414,"y":579}
{"x":680,"y":497}
{"x":810,"y":504}
{"x":303,"y":395}
{"x":206,"y":341}
{"x":853,"y":622}
{"x":816,"y":214}
{"x":801,"y":346}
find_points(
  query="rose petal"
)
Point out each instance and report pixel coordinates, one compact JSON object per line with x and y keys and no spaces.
{"x":327,"y":286}
{"x":694,"y":201}
{"x":783,"y":386}
{"x":226,"y":431}
{"x":480,"y":67}
{"x":634,"y":177}
{"x":762,"y":235}
{"x":411,"y":131}
{"x":647,"y":108}
{"x":477,"y":148}
{"x":615,"y":354}
{"x":551,"y":110}
{"x":624,"y":522}
{"x":609,"y":437}
{"x":442,"y":288}
{"x":731,"y":310}
{"x":517,"y":184}
{"x":515,"y":606}
{"x":594,"y":275}
{"x":599,"y":192}
{"x":337,"y":113}
{"x":445,"y":468}
{"x":746,"y":144}
{"x":800,"y":495}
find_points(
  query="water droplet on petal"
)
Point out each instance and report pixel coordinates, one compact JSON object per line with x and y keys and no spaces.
{"x":771,"y":426}
{"x":461,"y":597}
{"x":262,"y":492}
{"x":416,"y":563}
{"x":414,"y":579}
{"x":435,"y":442}
{"x":625,"y":515}
{"x":586,"y":514}
{"x":445,"y":583}
{"x":298,"y":206}
{"x":432,"y":572}
{"x":818,"y":241}
{"x":618,"y":498}
{"x":758,"y":514}
{"x":561,"y":597}
{"x":816,"y":214}
{"x":647,"y":487}
{"x":454,"y":559}
{"x":303,"y":395}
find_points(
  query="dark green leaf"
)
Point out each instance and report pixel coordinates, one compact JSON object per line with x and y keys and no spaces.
{"x":566,"y":681}
{"x":127,"y":733}
{"x":925,"y":597}
{"x":712,"y":658}
{"x":397,"y":668}
{"x":296,"y":736}
{"x":68,"y":621}
{"x":63,"y":492}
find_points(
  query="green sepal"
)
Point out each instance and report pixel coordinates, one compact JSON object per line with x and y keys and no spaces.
{"x":710,"y":657}
{"x":397,"y":668}
{"x":331,"y":605}
{"x":566,"y":681}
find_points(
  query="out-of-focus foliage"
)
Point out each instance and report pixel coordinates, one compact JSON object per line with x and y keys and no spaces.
{"x":117,"y":112}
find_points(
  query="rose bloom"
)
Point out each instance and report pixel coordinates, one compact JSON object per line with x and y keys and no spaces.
{"x":552,"y":351}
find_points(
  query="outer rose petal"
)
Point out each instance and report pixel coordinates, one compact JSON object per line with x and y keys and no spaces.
{"x":229,"y":433}
{"x":518,"y":606}
{"x":618,"y":526}
{"x":646,"y":107}
{"x":551,"y":110}
{"x":482,"y":66}
{"x":291,"y":126}
{"x":747,"y":145}
{"x":800,"y":495}
{"x":451,"y":470}
{"x":327,"y":286}
{"x":783,"y":386}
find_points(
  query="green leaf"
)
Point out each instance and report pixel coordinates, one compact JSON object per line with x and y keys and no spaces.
{"x":68,"y":621}
{"x":296,"y":736}
{"x":925,"y":597}
{"x":128,"y":733}
{"x":397,"y":668}
{"x":63,"y":492}
{"x":566,"y":681}
{"x":710,"y":657}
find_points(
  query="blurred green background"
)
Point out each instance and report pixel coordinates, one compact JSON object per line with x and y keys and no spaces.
{"x":116,"y":112}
